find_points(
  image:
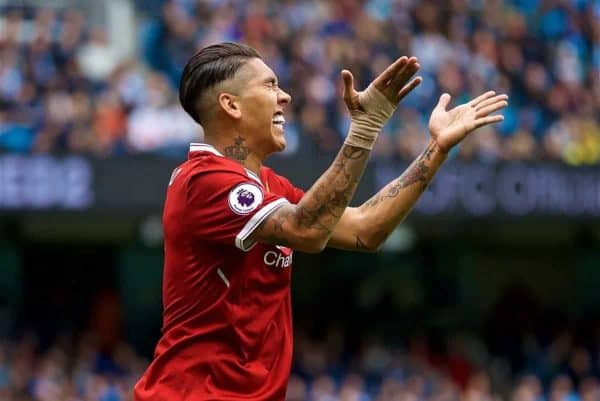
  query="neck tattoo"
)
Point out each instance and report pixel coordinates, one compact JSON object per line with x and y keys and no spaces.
{"x":238,"y":151}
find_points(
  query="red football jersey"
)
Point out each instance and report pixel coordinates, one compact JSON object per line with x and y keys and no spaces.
{"x":227,"y":319}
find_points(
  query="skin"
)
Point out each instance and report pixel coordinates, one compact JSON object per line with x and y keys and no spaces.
{"x":244,"y":108}
{"x":367,"y":227}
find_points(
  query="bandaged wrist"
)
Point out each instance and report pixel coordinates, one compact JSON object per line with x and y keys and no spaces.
{"x":366,"y":123}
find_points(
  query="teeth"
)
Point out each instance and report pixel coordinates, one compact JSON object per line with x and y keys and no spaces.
{"x":278,"y":119}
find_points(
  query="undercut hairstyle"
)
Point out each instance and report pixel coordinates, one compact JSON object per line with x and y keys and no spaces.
{"x":207,"y":68}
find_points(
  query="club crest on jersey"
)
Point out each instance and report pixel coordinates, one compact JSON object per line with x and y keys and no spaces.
{"x":245,"y":198}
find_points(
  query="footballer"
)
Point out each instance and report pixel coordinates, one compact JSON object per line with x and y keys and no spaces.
{"x":231,"y":225}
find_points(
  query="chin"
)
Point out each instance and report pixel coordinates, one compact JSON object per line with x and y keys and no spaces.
{"x":279,"y":143}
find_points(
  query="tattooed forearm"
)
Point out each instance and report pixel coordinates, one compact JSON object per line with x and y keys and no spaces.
{"x":308,"y":219}
{"x":319,"y":211}
{"x":238,"y":152}
{"x":384,"y":211}
{"x":373,"y":201}
{"x":353,"y":153}
{"x":324,"y":204}
{"x":419,"y":171}
{"x":360,"y":244}
{"x":429,"y":151}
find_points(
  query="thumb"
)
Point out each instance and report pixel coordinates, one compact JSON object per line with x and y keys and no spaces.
{"x":444,"y":101}
{"x":348,"y":85}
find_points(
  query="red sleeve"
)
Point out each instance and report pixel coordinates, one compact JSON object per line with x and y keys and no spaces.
{"x":293,"y":193}
{"x":227,"y":206}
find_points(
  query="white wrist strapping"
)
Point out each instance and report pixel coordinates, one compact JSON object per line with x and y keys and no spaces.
{"x":367,"y":123}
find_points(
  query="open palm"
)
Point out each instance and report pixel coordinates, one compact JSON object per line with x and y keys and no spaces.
{"x":449,"y":127}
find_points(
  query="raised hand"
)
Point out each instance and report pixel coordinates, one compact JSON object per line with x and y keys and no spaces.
{"x":371,"y":109}
{"x":449,"y":127}
{"x":394,"y":83}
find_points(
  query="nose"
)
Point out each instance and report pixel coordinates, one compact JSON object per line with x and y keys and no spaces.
{"x":283,"y":97}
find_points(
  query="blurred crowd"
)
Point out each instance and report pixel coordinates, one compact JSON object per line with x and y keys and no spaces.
{"x":64,"y":88}
{"x":323,"y":371}
{"x":454,"y":367}
{"x":64,"y":372}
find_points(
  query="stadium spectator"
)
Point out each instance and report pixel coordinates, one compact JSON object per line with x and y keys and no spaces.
{"x":82,"y":370}
{"x":545,"y":54}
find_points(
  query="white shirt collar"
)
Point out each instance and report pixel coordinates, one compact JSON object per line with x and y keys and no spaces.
{"x":251,"y":174}
{"x":205,"y":147}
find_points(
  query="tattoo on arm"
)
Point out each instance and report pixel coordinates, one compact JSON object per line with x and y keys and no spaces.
{"x":417,"y":172}
{"x":360,"y":244}
{"x":353,"y":153}
{"x":310,"y":219}
{"x":427,"y":153}
{"x":373,"y":201}
{"x":323,"y":205}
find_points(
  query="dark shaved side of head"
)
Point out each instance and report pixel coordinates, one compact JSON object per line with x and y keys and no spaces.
{"x":206,"y":69}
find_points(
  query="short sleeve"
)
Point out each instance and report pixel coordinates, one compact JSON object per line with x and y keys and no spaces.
{"x":226,"y":207}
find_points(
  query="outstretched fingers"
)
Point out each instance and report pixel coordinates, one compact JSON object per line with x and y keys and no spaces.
{"x":385,"y":77}
{"x":406,"y":89}
{"x":475,"y":102}
{"x":491,"y":101}
{"x":480,"y":122}
{"x":491,"y":108}
{"x":402,"y":76}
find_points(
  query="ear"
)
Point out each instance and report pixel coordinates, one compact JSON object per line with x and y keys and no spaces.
{"x":230,"y":104}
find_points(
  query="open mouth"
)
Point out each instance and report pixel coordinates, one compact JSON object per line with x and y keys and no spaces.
{"x":278,"y":120}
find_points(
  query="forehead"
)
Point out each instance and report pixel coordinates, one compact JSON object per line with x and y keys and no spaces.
{"x":255,"y":71}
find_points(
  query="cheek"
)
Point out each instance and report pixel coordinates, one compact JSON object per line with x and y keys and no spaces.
{"x":258,"y":108}
{"x":257,"y":105}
